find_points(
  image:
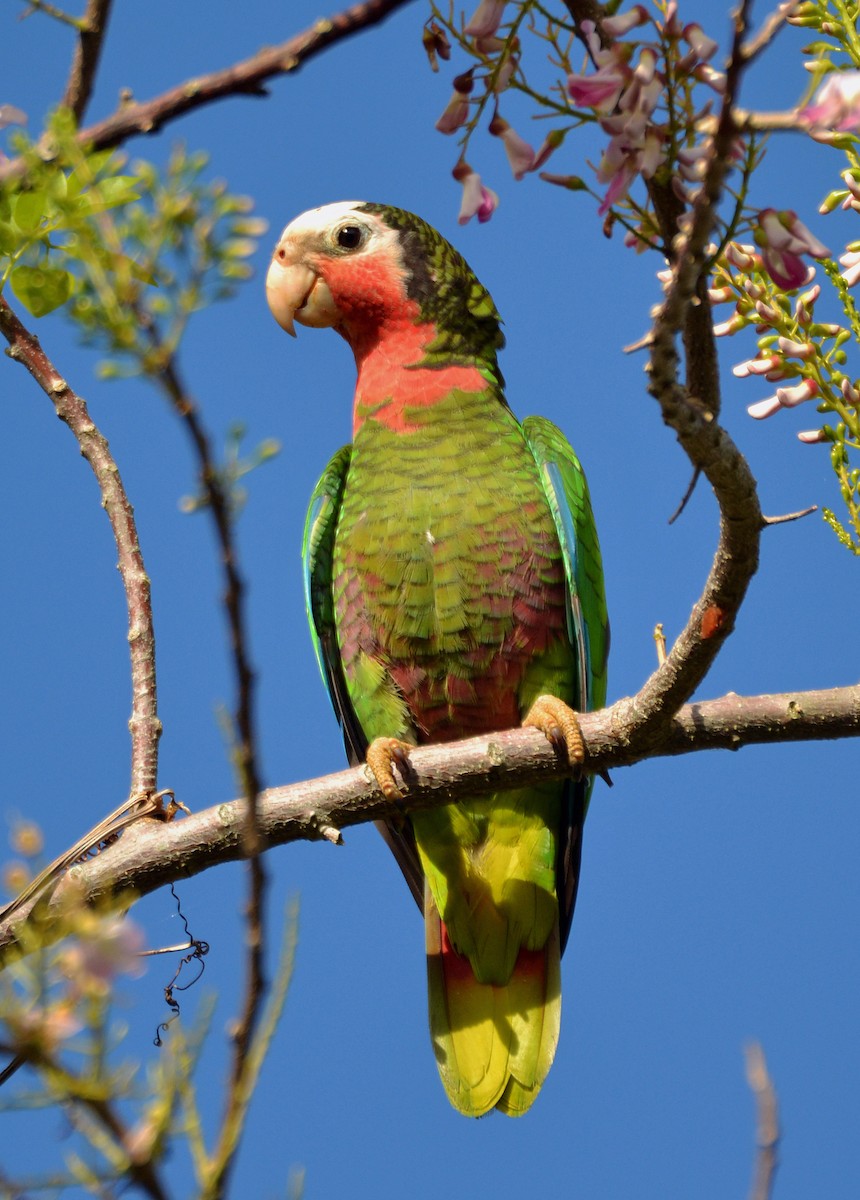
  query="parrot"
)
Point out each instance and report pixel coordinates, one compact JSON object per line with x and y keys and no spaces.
{"x":454,"y":588}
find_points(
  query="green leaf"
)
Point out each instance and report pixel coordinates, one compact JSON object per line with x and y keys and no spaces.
{"x":108,"y":193}
{"x":29,"y":210}
{"x":10,"y":239}
{"x":41,"y":289}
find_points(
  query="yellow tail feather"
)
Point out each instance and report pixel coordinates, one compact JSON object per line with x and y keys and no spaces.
{"x":494,"y":1044}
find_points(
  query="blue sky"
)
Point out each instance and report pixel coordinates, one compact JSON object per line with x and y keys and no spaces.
{"x":719,"y":899}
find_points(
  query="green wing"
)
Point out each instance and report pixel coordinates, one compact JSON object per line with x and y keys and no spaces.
{"x":567,"y":495}
{"x":317,"y":558}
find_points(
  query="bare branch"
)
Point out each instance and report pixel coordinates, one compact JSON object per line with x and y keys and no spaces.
{"x":86,"y":59}
{"x":150,"y":855}
{"x":144,"y":725}
{"x":244,"y":78}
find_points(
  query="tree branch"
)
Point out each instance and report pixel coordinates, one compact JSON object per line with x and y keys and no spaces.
{"x":691,"y":411}
{"x":144,"y":725}
{"x":150,"y":855}
{"x":86,"y":58}
{"x":244,"y":78}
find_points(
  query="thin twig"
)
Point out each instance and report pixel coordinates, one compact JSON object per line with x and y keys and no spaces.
{"x":246,"y":78}
{"x":147,"y":857}
{"x":51,"y":10}
{"x":767,"y":1123}
{"x":246,"y":761}
{"x":144,"y":725}
{"x":86,"y":58}
{"x":754,"y":47}
{"x":794,"y":516}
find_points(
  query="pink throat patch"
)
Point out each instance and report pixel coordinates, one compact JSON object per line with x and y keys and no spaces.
{"x":389,"y":382}
{"x":379,"y":322}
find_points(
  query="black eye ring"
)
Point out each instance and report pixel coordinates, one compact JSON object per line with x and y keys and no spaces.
{"x":349,"y":237}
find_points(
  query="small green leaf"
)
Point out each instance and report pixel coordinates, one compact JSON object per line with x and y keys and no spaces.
{"x":29,"y":210}
{"x":10,"y":239}
{"x":108,"y":193}
{"x":41,"y":289}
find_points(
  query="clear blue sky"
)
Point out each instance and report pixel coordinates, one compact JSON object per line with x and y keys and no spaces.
{"x":719,"y":899}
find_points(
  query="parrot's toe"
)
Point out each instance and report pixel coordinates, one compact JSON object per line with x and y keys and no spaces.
{"x":560,"y":725}
{"x":382,"y":754}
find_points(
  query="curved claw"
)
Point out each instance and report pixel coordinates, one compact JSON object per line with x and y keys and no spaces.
{"x":382,"y":754}
{"x":560,"y":725}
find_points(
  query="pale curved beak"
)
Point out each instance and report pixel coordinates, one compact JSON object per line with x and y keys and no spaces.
{"x":296,"y":292}
{"x":288,"y":286}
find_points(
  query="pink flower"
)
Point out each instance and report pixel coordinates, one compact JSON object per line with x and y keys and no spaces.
{"x":851,"y":262}
{"x":456,"y":113}
{"x":734,"y":324}
{"x":550,"y":144}
{"x":10,"y":115}
{"x":699,"y":42}
{"x":478,"y":201}
{"x":742,"y":257}
{"x":622,"y":23}
{"x":757,"y":366}
{"x":811,"y":436}
{"x":600,"y":91}
{"x":786,"y":397}
{"x":795,"y":349}
{"x":836,"y":104}
{"x":782,"y":238}
{"x":506,"y":70}
{"x":436,"y":44}
{"x":486,"y":18}
{"x":520,"y":154}
{"x":707,"y":75}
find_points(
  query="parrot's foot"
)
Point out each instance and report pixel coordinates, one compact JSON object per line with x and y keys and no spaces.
{"x":382,"y":754}
{"x":560,"y":725}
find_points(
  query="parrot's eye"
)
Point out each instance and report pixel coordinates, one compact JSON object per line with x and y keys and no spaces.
{"x":349,"y":237}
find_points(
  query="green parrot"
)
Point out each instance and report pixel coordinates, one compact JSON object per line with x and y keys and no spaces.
{"x":454,"y":587}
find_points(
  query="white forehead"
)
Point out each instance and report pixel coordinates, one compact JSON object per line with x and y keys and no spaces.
{"x":316,"y":219}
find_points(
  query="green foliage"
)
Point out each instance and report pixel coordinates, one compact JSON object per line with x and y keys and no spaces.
{"x":131,"y":256}
{"x":835,"y":21}
{"x":59,"y":200}
{"x":234,"y":466}
{"x":150,"y":265}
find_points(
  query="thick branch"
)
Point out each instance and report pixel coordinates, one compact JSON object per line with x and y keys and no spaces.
{"x":144,"y":725}
{"x":709,"y":447}
{"x":152,"y":854}
{"x":244,"y":78}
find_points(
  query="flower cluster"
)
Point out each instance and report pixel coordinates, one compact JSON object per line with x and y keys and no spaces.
{"x":627,"y":88}
{"x":622,"y":88}
{"x":500,"y":58}
{"x":801,"y":354}
{"x":782,"y":238}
